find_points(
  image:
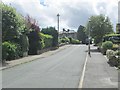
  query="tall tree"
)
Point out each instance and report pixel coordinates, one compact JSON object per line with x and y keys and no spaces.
{"x":99,"y":26}
{"x":81,"y":35}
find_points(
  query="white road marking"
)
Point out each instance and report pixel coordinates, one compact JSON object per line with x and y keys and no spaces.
{"x":83,"y":73}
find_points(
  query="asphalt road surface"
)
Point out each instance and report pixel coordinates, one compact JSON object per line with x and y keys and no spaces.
{"x":62,"y":69}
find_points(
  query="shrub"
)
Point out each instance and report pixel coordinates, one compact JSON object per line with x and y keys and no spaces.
{"x":115,"y":38}
{"x":64,"y":40}
{"x":106,"y":45}
{"x":47,"y":40}
{"x":9,"y":51}
{"x":115,"y":46}
{"x":74,"y":41}
{"x":110,"y":54}
{"x":24,"y":42}
{"x":54,"y":33}
{"x":114,"y":57}
{"x":34,"y":42}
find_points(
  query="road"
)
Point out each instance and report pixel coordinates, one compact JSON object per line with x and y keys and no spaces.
{"x":68,"y":68}
{"x":63,"y":69}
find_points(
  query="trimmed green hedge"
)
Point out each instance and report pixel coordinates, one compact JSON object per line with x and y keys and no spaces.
{"x":53,"y":32}
{"x":47,"y":39}
{"x":64,"y":40}
{"x":115,"y":38}
{"x":74,"y":41}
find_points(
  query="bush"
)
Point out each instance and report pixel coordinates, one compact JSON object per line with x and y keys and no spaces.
{"x":74,"y":41}
{"x":114,"y":57}
{"x":54,"y":33}
{"x":115,"y":46}
{"x":64,"y":40}
{"x":110,"y":54}
{"x":34,"y":42}
{"x":47,"y":40}
{"x":115,"y":38}
{"x":106,"y":45}
{"x":9,"y":51}
{"x":24,"y":42}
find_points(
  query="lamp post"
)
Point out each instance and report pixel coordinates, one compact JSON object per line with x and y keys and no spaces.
{"x":58,"y":21}
{"x":58,"y":26}
{"x":89,"y":38}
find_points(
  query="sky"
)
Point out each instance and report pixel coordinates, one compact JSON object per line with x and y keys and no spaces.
{"x":73,"y":13}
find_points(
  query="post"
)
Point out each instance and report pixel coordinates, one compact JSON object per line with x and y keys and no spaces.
{"x":89,"y":39}
{"x":58,"y":27}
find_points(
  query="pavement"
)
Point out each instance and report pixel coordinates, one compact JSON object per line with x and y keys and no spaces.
{"x":30,"y":58}
{"x":98,"y":73}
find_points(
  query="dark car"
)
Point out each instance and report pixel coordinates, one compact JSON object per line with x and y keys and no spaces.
{"x":87,"y":41}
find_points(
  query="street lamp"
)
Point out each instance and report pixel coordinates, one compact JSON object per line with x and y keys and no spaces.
{"x":58,"y":26}
{"x":89,"y":37}
{"x":58,"y":21}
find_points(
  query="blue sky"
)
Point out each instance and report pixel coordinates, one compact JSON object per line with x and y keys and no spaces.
{"x":72,"y":12}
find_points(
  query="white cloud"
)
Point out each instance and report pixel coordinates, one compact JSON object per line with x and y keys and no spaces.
{"x":72,"y":12}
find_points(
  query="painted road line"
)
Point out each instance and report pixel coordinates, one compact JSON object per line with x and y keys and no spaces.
{"x":83,"y":73}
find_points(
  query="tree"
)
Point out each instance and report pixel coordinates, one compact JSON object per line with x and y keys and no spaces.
{"x":81,"y":35}
{"x":53,"y":32}
{"x":13,"y":24}
{"x":14,"y":29}
{"x":99,"y":26}
{"x":35,"y":40}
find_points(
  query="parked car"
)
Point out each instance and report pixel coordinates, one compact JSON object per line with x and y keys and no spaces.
{"x":87,"y":41}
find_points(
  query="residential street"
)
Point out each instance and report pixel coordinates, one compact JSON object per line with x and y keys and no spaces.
{"x":63,"y":69}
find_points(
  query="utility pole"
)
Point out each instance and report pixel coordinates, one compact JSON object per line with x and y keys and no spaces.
{"x":58,"y":21}
{"x":58,"y":15}
{"x":89,"y":39}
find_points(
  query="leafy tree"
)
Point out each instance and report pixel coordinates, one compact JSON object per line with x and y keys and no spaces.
{"x":53,"y":32}
{"x":12,"y":24}
{"x":35,"y":39}
{"x":99,"y":26}
{"x":13,"y":28}
{"x":81,"y":35}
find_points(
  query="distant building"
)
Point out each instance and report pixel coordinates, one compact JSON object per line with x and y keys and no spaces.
{"x":71,"y":34}
{"x":118,"y":28}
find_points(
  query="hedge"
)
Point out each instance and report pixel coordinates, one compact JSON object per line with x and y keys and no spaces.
{"x":47,"y":39}
{"x":64,"y":40}
{"x":74,"y":41}
{"x":111,"y":37}
{"x":54,"y":33}
{"x":10,"y":51}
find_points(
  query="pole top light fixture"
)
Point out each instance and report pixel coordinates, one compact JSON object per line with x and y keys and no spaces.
{"x":58,"y":14}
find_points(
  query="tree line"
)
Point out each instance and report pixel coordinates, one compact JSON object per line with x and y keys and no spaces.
{"x":99,"y":26}
{"x":22,"y":35}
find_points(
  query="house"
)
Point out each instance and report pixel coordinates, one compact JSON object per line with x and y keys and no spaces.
{"x":70,"y":33}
